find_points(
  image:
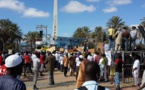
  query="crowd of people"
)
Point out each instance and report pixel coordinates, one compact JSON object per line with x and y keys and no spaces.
{"x":123,"y":38}
{"x":89,"y":68}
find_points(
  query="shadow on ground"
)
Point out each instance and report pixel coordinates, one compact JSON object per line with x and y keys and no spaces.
{"x":68,"y":83}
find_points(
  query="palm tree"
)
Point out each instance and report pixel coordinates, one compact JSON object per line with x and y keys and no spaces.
{"x":83,"y":32}
{"x":115,"y":22}
{"x":86,"y":31}
{"x":78,"y":33}
{"x":10,"y":32}
{"x":31,"y":38}
{"x":98,"y":33}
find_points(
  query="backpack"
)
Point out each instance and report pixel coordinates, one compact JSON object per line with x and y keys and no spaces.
{"x":99,"y":88}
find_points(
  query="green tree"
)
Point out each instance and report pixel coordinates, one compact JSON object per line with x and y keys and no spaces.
{"x":31,"y":38}
{"x":115,"y":22}
{"x":98,"y":33}
{"x":83,"y":32}
{"x":10,"y":33}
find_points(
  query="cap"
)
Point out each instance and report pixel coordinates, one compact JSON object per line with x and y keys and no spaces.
{"x":13,"y":60}
{"x":81,"y":56}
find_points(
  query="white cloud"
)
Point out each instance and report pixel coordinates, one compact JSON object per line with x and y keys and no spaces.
{"x":21,"y":8}
{"x":75,"y":7}
{"x":119,"y":2}
{"x":32,"y":12}
{"x":12,"y":4}
{"x":110,"y":9}
{"x":93,"y":0}
{"x":114,"y":3}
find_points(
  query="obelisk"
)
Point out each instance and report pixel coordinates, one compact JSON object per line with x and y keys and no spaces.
{"x":55,"y":26}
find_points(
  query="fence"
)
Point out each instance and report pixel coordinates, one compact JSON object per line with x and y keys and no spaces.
{"x":128,"y":63}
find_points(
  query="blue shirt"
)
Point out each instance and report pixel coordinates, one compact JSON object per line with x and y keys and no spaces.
{"x":11,"y":83}
{"x":91,"y":85}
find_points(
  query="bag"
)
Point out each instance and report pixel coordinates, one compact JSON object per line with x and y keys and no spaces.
{"x":99,"y":88}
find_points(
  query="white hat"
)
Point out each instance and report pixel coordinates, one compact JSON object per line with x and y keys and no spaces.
{"x":80,"y":56}
{"x":13,"y":60}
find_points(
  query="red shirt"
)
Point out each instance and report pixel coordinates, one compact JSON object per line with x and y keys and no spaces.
{"x":118,"y":60}
{"x":3,"y":70}
{"x":26,"y":58}
{"x":1,"y":60}
{"x":41,"y":59}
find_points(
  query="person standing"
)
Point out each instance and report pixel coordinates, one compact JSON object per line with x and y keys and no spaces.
{"x":126,"y":36}
{"x":27,"y":63}
{"x":142,"y":86}
{"x":97,"y":57}
{"x":35,"y":68}
{"x":14,"y":65}
{"x":79,"y":59}
{"x":133,"y":37}
{"x":61,"y":62}
{"x":112,"y":72}
{"x":103,"y":65}
{"x":50,"y":65}
{"x":135,"y":70}
{"x":118,"y":70}
{"x":111,"y":32}
{"x":42,"y":59}
{"x":118,"y":41}
{"x":57,"y":60}
{"x":90,"y":57}
{"x":72,"y":64}
{"x":65,"y":64}
{"x":81,"y":74}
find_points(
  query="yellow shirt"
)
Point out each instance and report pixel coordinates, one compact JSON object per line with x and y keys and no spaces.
{"x":111,"y":31}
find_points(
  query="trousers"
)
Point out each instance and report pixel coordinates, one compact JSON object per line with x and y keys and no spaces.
{"x":35,"y":76}
{"x":135,"y":76}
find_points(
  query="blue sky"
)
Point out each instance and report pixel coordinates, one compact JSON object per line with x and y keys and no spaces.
{"x":71,"y":13}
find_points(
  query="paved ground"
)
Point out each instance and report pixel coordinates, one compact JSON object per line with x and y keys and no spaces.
{"x":66,"y":83}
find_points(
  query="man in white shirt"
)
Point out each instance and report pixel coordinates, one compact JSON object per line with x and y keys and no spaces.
{"x":135,"y":70}
{"x":142,"y":86}
{"x":103,"y":65}
{"x":61,"y":62}
{"x":90,"y":57}
{"x":57,"y":59}
{"x":78,"y":62}
{"x":36,"y":64}
{"x":92,"y":71}
{"x":133,"y":37}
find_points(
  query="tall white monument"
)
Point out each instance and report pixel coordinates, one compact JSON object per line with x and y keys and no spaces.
{"x":55,"y":26}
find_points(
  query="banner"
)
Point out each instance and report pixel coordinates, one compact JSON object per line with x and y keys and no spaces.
{"x":108,"y":55}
